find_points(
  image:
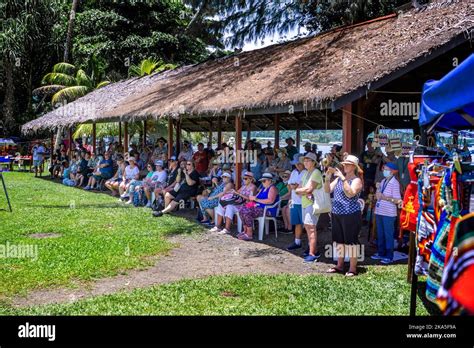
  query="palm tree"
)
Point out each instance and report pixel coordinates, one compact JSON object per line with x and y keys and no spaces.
{"x":148,"y":67}
{"x":70,"y":27}
{"x":66,"y":83}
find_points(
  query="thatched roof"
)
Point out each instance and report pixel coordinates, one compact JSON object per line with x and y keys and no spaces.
{"x":309,"y":73}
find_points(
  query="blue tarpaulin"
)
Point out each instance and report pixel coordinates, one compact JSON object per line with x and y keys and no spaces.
{"x":448,"y":104}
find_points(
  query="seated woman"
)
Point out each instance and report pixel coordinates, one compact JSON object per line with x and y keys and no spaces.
{"x":283,"y":163}
{"x":228,"y":212}
{"x":113,"y":183}
{"x":187,"y":189}
{"x":103,"y":172}
{"x":268,"y":195}
{"x":131,"y":173}
{"x":67,"y":180}
{"x":174,"y":177}
{"x":82,"y":168}
{"x":157,"y":180}
{"x":210,"y":199}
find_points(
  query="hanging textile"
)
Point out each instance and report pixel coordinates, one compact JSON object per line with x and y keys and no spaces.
{"x":425,"y":229}
{"x":411,"y":204}
{"x":455,"y":296}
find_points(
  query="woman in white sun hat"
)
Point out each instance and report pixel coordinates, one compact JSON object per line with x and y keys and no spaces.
{"x":346,"y":216}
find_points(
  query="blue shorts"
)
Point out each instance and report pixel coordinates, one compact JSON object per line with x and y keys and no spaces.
{"x":296,"y":214}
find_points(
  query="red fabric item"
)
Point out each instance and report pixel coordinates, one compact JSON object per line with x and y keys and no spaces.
{"x":463,"y":289}
{"x":454,"y":219}
{"x":411,"y":206}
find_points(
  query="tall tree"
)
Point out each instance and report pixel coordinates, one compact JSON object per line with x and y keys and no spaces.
{"x":70,"y":28}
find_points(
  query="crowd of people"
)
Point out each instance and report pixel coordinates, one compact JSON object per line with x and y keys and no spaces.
{"x":276,"y":179}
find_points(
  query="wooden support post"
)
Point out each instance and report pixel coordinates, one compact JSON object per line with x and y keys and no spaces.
{"x":178,"y":137}
{"x":347,"y":128}
{"x":52,"y":145}
{"x":238,"y":147}
{"x":94,"y":137}
{"x":125,"y":137}
{"x":219,"y":133}
{"x":144,"y":134}
{"x":170,"y":137}
{"x":210,"y":132}
{"x":277,"y":132}
{"x":120,"y":133}
{"x":298,"y":134}
{"x":70,"y":144}
{"x":249,"y":129}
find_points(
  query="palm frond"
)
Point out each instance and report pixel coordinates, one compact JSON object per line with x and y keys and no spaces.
{"x":59,"y":79}
{"x":83,"y":79}
{"x":69,"y":94}
{"x":47,"y":90}
{"x":64,"y":68}
{"x":102,"y":84}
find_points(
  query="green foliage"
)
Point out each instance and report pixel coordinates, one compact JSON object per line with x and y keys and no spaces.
{"x":148,"y":67}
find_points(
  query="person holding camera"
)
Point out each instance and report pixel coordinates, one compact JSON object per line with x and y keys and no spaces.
{"x":346,"y":216}
{"x":183,"y":191}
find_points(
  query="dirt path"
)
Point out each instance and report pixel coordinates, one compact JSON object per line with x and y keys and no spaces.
{"x":196,"y":257}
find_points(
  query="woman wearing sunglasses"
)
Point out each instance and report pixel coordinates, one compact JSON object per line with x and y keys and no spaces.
{"x":267,"y":195}
{"x":187,"y":189}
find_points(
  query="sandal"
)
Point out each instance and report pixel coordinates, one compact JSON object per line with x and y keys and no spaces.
{"x":351,"y":274}
{"x":245,"y":237}
{"x":335,"y":270}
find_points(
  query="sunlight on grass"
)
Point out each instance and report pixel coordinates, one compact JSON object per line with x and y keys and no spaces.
{"x":98,"y":236}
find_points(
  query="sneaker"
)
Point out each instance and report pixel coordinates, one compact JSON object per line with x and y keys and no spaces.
{"x":128,"y":202}
{"x":318,"y":255}
{"x":306,"y":252}
{"x":376,"y":257}
{"x":245,"y":237}
{"x":157,"y":213}
{"x":386,"y":261}
{"x":310,"y":259}
{"x":293,"y":246}
{"x":215,"y":229}
{"x":224,"y":231}
{"x":87,"y":188}
{"x":285,"y":231}
{"x":148,"y":205}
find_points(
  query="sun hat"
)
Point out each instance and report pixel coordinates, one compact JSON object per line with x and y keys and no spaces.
{"x":290,"y":138}
{"x":297,"y":158}
{"x":311,"y":156}
{"x":351,"y":159}
{"x":391,"y":165}
{"x":132,"y":159}
{"x":287,"y":172}
{"x":282,"y":149}
{"x":226,"y":175}
{"x":307,"y":144}
{"x":266,"y":176}
{"x":249,"y":174}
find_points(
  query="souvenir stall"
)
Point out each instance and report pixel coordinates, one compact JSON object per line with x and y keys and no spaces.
{"x":438,"y":205}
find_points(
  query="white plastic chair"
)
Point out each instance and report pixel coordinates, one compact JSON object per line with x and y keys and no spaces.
{"x":264,"y":221}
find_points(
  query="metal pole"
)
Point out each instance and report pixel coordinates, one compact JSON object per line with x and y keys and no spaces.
{"x":6,"y":192}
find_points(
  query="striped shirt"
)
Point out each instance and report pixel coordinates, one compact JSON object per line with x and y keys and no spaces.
{"x":388,"y":189}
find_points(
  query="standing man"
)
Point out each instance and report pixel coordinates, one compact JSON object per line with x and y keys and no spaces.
{"x":370,"y":159}
{"x":291,"y":149}
{"x":38,"y":158}
{"x":201,"y":160}
{"x":296,"y":213}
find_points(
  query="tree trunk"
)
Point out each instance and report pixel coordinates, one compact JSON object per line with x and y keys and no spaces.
{"x":70,"y":27}
{"x":8,"y":120}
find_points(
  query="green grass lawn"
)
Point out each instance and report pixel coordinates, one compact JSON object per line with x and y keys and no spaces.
{"x":379,"y":291}
{"x":99,"y":236}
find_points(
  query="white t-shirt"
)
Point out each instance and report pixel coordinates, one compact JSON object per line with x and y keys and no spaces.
{"x":389,"y":189}
{"x":159,"y":176}
{"x":38,"y":153}
{"x":295,"y":178}
{"x":131,"y":173}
